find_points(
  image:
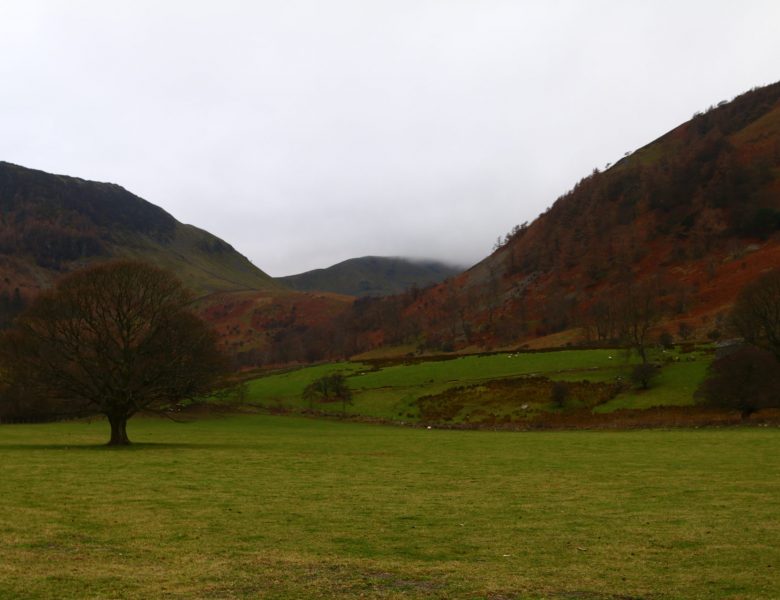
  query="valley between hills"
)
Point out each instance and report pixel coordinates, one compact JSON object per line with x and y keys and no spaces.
{"x":359,"y":445}
{"x":694,"y":215}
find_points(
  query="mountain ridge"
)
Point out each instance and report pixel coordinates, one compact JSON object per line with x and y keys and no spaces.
{"x":51,"y":224}
{"x":694,"y":213}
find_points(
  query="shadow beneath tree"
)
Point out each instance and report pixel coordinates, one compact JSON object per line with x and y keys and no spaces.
{"x":133,"y":447}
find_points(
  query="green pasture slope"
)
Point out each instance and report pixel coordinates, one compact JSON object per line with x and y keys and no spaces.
{"x":280,"y":507}
{"x":389,"y":392}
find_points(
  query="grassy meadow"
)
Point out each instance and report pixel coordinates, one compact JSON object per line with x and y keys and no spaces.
{"x":391,"y":390}
{"x":258,"y":506}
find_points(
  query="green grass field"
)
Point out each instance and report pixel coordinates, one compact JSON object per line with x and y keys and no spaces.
{"x":390,"y":392}
{"x":280,"y":507}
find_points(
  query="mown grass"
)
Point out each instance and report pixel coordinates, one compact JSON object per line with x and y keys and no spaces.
{"x":279,"y":507}
{"x":390,"y":391}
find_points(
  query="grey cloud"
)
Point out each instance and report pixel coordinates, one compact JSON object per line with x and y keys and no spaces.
{"x":308,"y":132}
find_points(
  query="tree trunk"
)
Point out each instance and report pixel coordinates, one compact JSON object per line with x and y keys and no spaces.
{"x":640,"y":349}
{"x":118,"y":430}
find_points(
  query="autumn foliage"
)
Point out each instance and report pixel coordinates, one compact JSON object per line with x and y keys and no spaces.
{"x":678,"y":215}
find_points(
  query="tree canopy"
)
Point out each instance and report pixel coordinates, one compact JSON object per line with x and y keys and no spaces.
{"x":115,"y":339}
{"x":330,"y":388}
{"x":756,"y":313}
{"x":746,"y":379}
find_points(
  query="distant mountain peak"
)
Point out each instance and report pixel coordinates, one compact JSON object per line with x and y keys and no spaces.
{"x":373,"y":276}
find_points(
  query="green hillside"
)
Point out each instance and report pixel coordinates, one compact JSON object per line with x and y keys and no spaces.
{"x":512,"y":389}
{"x":52,"y":224}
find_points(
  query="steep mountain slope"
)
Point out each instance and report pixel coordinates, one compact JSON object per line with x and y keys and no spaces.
{"x":50,"y":224}
{"x":688,"y":219}
{"x":372,"y":276}
{"x":278,"y":326}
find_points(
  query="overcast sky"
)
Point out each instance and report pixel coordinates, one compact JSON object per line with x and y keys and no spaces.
{"x":306,"y":132}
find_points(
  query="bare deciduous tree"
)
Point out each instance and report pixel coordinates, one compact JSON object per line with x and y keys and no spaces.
{"x":639,"y":310}
{"x":114,"y":339}
{"x":756,"y":313}
{"x":747,"y":379}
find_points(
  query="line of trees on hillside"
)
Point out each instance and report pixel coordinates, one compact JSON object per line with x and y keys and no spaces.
{"x":49,"y":244}
{"x":697,"y":194}
{"x":700,"y":190}
{"x":445,"y":318}
{"x":368,"y":322}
